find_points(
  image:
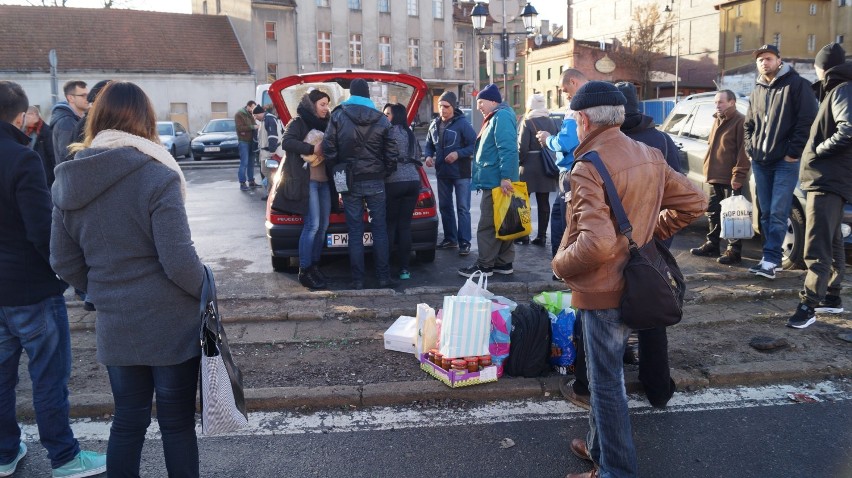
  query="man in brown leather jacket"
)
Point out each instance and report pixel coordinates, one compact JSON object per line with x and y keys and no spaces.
{"x":592,"y":256}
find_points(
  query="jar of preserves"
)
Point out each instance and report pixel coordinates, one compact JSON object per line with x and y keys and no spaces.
{"x":459,"y":366}
{"x":472,"y":364}
{"x":446,"y":362}
{"x":485,"y":361}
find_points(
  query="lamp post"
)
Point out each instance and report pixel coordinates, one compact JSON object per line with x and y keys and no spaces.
{"x":670,"y":9}
{"x":479,"y":16}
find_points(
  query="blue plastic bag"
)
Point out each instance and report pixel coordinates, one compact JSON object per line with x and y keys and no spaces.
{"x":562,"y":351}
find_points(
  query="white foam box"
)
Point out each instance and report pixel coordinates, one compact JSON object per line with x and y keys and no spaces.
{"x":402,"y":335}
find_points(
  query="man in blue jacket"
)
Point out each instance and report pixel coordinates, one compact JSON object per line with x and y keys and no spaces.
{"x":33,"y":317}
{"x":496,"y":166}
{"x":449,"y":148}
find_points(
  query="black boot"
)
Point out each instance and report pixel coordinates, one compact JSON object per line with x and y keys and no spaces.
{"x":307,"y":280}
{"x":318,"y":276}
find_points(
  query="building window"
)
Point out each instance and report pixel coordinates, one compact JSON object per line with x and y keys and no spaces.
{"x":355,"y":56}
{"x":218,"y":7}
{"x":270,"y":30}
{"x":812,"y":9}
{"x":776,"y":40}
{"x":204,"y":7}
{"x":548,"y":73}
{"x":839,"y":39}
{"x":324,"y":47}
{"x":516,"y":95}
{"x":271,"y":72}
{"x":811,"y":42}
{"x":354,"y":4}
{"x":438,"y":52}
{"x":738,"y":43}
{"x":842,"y":3}
{"x":384,"y":6}
{"x":322,"y":3}
{"x":412,"y":8}
{"x":739,"y":10}
{"x":413,"y":52}
{"x":438,"y":8}
{"x":777,"y":6}
{"x":219,"y":109}
{"x":537,"y":75}
{"x":384,"y":51}
{"x":458,"y":55}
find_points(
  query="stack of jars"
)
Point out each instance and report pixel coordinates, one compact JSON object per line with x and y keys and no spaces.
{"x":459,"y":365}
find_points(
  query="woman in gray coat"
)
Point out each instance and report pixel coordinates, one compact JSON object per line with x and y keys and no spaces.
{"x":120,"y":233}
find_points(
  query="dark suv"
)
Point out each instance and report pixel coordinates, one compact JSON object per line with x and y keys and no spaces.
{"x":689,"y":125}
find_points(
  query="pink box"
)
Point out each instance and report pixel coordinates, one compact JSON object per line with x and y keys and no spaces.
{"x":454,"y":380}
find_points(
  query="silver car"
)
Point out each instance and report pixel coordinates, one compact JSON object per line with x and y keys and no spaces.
{"x":174,"y":138}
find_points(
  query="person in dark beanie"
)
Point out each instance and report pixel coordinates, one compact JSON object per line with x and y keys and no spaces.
{"x":358,"y":139}
{"x":592,"y":256}
{"x":449,"y":148}
{"x":825,"y":178}
{"x":496,"y":166}
{"x":781,"y":111}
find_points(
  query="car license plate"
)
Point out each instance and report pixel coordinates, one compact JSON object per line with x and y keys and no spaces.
{"x":212,"y":149}
{"x":342,"y":240}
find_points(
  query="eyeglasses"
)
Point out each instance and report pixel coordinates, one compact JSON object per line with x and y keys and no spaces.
{"x":81,"y":95}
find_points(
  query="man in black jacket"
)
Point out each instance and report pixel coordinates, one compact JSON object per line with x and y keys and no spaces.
{"x":826,"y":172}
{"x":780,"y":114}
{"x":358,"y":138}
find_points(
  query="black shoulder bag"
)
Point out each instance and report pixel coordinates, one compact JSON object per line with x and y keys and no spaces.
{"x":653,"y":283}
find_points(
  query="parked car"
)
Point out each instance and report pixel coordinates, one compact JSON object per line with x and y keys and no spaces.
{"x":283,"y":229}
{"x":218,"y":139}
{"x":689,"y":125}
{"x":174,"y":138}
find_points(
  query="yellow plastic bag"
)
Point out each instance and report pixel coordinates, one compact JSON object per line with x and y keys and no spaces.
{"x":512,"y":217}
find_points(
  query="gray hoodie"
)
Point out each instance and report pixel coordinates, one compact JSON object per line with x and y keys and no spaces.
{"x":63,"y":121}
{"x":120,"y":233}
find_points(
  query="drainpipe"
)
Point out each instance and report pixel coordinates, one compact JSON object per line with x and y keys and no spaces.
{"x":296,"y":25}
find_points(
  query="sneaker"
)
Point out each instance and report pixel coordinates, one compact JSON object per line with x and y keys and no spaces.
{"x":445,"y":244}
{"x":803,"y":317}
{"x":504,"y":269}
{"x":86,"y":463}
{"x":523,"y":241}
{"x":404,"y":274}
{"x":729,"y":257}
{"x":388,"y":283}
{"x":88,"y":306}
{"x":254,"y":185}
{"x":830,"y":305}
{"x":9,"y":468}
{"x":464,"y":249}
{"x":708,"y":249}
{"x":469,"y":271}
{"x":243,"y":187}
{"x":760,"y":266}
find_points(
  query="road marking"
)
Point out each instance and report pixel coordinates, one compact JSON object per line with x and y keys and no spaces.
{"x":421,"y":416}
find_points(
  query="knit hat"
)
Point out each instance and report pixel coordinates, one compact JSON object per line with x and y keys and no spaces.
{"x":830,"y":56}
{"x":450,"y":98}
{"x":597,"y":93}
{"x":359,"y":87}
{"x":93,"y":93}
{"x":629,"y":91}
{"x":536,"y":102}
{"x":257,"y":110}
{"x":491,"y":93}
{"x":767,"y":48}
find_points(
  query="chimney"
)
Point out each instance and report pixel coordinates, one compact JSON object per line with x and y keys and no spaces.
{"x":544,"y":27}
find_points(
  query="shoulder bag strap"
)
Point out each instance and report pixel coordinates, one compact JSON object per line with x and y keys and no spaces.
{"x":614,"y":201}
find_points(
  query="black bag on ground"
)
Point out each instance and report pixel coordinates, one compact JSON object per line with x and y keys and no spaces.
{"x":530,"y":342}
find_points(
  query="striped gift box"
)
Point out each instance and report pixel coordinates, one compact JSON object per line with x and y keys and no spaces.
{"x":466,"y":326}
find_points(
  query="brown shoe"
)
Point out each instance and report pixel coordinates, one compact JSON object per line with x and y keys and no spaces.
{"x":729,"y":257}
{"x":708,"y":249}
{"x":578,"y":448}
{"x":567,"y":389}
{"x":589,"y":474}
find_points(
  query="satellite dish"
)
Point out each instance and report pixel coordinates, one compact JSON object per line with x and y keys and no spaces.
{"x":538,"y":40}
{"x":549,"y":38}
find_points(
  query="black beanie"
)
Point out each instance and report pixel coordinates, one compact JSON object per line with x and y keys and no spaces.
{"x":629,"y":91}
{"x":450,"y":98}
{"x":597,"y":93}
{"x":359,"y":87}
{"x":257,"y":110}
{"x":491,"y":93}
{"x":93,"y":93}
{"x":830,"y":56}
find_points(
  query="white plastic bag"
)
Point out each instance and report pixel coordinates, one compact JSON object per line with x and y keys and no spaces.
{"x":427,"y":329}
{"x":476,"y":289}
{"x":735,"y":218}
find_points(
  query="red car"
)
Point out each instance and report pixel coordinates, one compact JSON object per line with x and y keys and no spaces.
{"x":283,"y":229}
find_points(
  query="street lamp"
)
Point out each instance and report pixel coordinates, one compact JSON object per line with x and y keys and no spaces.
{"x":479,"y":15}
{"x":670,"y":9}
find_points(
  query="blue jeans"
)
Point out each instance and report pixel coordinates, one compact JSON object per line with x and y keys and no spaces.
{"x":557,"y":222}
{"x":246,"y":171}
{"x":42,"y":330}
{"x":775,"y":185}
{"x":132,"y":390}
{"x":460,"y":233}
{"x":312,"y":239}
{"x":373,"y":192}
{"x":610,"y":439}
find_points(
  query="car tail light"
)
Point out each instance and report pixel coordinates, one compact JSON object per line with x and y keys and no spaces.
{"x":425,"y":206}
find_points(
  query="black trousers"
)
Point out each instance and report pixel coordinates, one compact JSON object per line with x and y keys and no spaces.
{"x":718,"y":192}
{"x":825,"y":255}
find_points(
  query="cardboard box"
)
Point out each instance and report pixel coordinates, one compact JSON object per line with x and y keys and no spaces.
{"x":402,"y":335}
{"x":454,"y":380}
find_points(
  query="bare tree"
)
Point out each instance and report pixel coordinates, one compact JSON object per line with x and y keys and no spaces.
{"x":644,"y":43}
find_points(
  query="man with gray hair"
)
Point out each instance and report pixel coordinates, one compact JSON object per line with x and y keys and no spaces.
{"x":593,"y":254}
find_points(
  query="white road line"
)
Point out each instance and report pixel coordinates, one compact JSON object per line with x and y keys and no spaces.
{"x":388,"y":418}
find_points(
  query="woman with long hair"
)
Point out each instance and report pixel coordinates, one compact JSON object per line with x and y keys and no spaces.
{"x":120,"y":233}
{"x":536,"y":119}
{"x":402,"y":186}
{"x":303,"y":187}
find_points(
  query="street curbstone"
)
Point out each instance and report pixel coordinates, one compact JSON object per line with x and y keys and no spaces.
{"x":760,"y":373}
{"x":278,"y":398}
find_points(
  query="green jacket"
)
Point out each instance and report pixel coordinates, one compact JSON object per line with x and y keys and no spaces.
{"x":496,"y":150}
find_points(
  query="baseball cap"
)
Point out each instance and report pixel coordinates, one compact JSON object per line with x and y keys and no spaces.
{"x":767,"y":48}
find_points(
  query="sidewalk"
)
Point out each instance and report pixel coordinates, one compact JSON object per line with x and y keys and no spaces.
{"x":324,"y":349}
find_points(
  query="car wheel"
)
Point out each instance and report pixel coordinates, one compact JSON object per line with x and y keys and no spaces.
{"x":188,"y":155}
{"x":793,"y":247}
{"x":174,"y":152}
{"x":284,"y":264}
{"x":194,"y":157}
{"x":426,"y":256}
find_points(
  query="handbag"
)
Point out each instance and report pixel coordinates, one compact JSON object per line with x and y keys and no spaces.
{"x":223,"y":405}
{"x":653,"y":283}
{"x":548,"y":159}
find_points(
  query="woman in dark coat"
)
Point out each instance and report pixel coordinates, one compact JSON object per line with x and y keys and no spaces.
{"x":41,"y":141}
{"x":303,"y":187}
{"x":532,"y":172}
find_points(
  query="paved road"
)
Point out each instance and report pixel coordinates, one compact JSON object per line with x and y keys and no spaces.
{"x":747,"y":432}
